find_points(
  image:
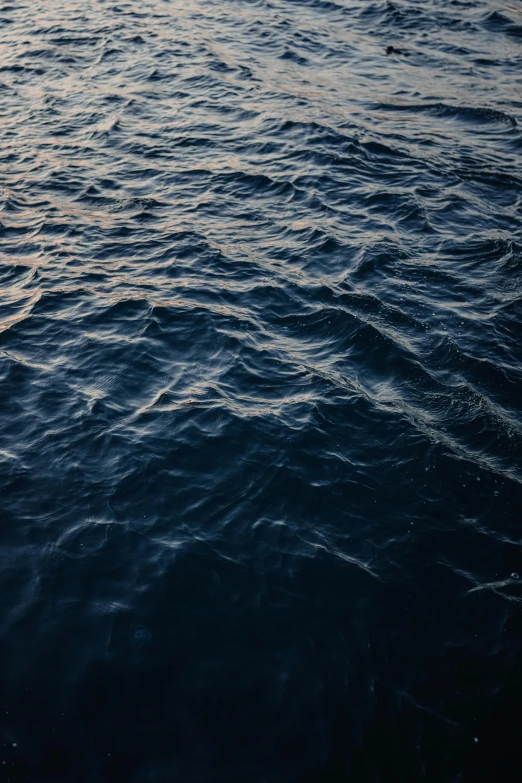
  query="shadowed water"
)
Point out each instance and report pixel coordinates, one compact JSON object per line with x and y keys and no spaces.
{"x":261,"y":384}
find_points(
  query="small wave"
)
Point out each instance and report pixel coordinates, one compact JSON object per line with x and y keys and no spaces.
{"x":480,"y":114}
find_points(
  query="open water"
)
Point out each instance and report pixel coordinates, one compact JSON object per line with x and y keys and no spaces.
{"x":261,"y":391}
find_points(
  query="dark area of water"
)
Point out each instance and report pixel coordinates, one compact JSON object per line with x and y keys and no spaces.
{"x":261,"y":386}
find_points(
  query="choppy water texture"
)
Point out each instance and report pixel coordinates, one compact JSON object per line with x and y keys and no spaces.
{"x":261,"y":384}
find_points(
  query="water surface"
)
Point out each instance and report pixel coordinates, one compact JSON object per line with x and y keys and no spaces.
{"x":261,"y":383}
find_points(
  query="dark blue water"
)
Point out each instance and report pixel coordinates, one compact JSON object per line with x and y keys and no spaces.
{"x":261,"y":391}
